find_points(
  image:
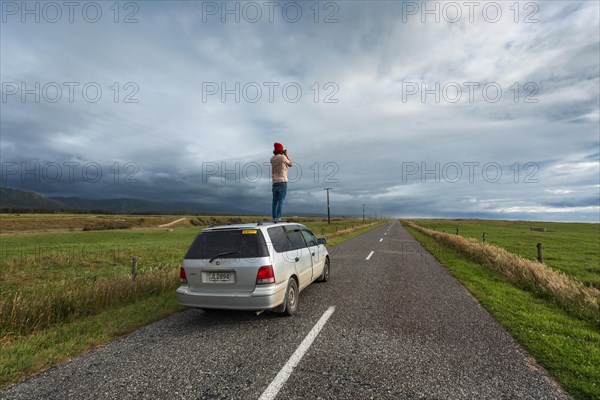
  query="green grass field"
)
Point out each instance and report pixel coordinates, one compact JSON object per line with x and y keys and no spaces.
{"x":572,"y":248}
{"x":60,"y":283}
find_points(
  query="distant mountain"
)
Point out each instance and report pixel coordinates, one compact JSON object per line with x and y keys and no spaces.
{"x":14,"y":198}
{"x":119,"y":206}
{"x":21,"y":199}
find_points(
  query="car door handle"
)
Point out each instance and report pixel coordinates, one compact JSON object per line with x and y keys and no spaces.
{"x":297,"y":259}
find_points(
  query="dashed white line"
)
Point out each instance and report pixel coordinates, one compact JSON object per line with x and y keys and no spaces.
{"x":285,"y":372}
{"x":369,"y":256}
{"x":381,"y":240}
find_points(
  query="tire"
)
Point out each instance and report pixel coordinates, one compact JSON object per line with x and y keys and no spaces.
{"x":326,"y":271}
{"x":291,"y":298}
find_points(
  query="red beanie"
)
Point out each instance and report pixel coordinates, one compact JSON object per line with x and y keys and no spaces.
{"x":278,"y":146}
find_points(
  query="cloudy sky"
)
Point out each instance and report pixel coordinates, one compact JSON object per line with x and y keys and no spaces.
{"x":442,"y":109}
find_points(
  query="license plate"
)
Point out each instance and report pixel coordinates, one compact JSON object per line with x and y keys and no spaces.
{"x":220,"y":277}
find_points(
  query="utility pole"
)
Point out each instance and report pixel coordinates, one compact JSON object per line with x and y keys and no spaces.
{"x":328,"y":210}
{"x":363,"y":212}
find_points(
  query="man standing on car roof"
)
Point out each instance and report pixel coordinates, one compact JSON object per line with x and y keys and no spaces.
{"x":280,"y":162}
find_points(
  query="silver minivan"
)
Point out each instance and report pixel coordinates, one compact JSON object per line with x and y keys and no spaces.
{"x":258,"y":266}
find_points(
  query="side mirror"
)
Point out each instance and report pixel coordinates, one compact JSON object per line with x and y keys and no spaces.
{"x":321,"y":241}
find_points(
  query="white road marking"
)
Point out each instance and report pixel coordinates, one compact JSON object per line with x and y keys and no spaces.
{"x":381,"y":240}
{"x":386,"y":233}
{"x":370,"y":254}
{"x":285,"y":372}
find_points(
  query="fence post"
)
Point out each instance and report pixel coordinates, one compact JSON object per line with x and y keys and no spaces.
{"x":457,"y":231}
{"x":540,"y":250}
{"x":133,"y":268}
{"x":483,"y":237}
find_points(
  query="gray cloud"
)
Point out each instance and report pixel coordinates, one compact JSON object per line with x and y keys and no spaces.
{"x":362,"y":146}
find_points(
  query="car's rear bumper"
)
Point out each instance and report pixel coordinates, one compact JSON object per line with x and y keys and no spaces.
{"x":262,"y":298}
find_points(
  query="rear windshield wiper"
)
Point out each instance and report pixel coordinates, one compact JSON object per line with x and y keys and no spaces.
{"x":222,"y":254}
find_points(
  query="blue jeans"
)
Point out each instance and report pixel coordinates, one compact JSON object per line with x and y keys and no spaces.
{"x":279,"y":192}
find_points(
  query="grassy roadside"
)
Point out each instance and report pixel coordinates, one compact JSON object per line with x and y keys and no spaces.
{"x":568,"y":347}
{"x":25,"y":354}
{"x":571,"y":248}
{"x":349,"y":233}
{"x":577,"y":298}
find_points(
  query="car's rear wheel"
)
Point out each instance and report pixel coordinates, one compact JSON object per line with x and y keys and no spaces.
{"x":326,"y":271}
{"x":291,"y":297}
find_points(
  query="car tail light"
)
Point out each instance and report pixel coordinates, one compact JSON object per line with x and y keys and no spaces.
{"x":265,"y":275}
{"x":182,"y":276}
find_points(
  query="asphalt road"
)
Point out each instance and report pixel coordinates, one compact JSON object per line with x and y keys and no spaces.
{"x":402,"y":328}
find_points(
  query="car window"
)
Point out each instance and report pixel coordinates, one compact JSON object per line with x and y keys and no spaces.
{"x":279,"y":239}
{"x":295,"y":237}
{"x":309,"y":238}
{"x":230,"y":243}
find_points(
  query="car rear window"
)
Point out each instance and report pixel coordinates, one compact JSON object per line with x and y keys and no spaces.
{"x":229,"y":243}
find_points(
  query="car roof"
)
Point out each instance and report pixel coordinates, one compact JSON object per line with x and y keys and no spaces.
{"x":252,"y":225}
